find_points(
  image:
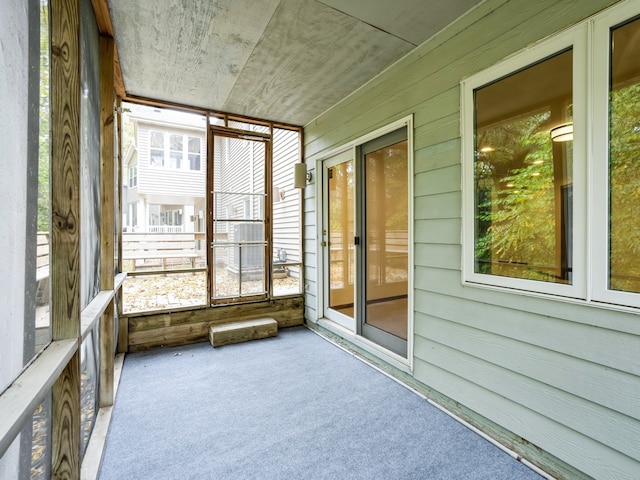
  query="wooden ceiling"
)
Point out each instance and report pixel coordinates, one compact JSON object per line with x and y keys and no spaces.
{"x":281,"y":60}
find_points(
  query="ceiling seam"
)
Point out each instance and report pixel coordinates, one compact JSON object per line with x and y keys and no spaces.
{"x":367,"y":23}
{"x":266,"y":27}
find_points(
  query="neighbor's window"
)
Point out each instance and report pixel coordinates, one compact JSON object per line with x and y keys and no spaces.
{"x":133,"y":176}
{"x":175,"y":150}
{"x":156,"y":148}
{"x":194,"y":152}
{"x":523,"y":173}
{"x":624,"y":159}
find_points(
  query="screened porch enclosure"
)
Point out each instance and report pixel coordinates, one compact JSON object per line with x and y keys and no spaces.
{"x":208,"y":205}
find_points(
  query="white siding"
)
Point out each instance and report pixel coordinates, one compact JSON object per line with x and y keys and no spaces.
{"x":286,"y":212}
{"x":166,"y":181}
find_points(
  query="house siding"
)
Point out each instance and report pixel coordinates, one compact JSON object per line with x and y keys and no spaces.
{"x":286,"y":212}
{"x":159,"y":180}
{"x":563,"y":376}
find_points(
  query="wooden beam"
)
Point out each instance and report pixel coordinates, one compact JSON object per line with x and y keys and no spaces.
{"x":107,"y":215}
{"x":119,"y":181}
{"x":105,"y":27}
{"x":164,"y":329}
{"x":65,"y":230}
{"x":119,"y":80}
{"x":18,"y":402}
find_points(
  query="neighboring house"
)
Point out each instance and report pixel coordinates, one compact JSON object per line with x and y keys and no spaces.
{"x":165,"y":179}
{"x":165,"y":173}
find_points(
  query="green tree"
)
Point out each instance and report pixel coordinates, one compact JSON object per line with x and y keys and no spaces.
{"x":516,"y":221}
{"x":624,"y":188}
{"x":44,"y":128}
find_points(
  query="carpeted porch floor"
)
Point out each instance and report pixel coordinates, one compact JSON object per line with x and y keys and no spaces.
{"x":289,"y":407}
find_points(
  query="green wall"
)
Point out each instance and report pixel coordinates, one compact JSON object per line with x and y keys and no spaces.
{"x":565,"y":377}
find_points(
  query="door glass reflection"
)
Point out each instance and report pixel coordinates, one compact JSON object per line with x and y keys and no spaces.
{"x":386,"y":263}
{"x":341,"y":235}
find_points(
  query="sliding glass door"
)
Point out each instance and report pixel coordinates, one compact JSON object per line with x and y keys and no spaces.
{"x":365,"y":240}
{"x":385,"y":248}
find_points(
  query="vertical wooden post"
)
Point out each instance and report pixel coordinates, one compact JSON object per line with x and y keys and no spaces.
{"x":65,"y":230}
{"x":107,"y":219}
{"x":119,"y":183}
{"x":210,"y":236}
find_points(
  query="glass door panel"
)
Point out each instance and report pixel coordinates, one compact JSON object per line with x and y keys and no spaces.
{"x":238,"y":214}
{"x":341,"y":234}
{"x":338,"y":239}
{"x":386,"y":247}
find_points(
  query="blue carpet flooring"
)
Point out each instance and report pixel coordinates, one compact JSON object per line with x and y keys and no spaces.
{"x":289,"y":407}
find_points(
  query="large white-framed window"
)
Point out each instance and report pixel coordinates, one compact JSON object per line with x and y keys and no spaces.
{"x":551,"y":165}
{"x":522,"y":190}
{"x":615,"y":172}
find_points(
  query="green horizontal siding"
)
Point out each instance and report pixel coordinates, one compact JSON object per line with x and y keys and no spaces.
{"x":562,"y":375}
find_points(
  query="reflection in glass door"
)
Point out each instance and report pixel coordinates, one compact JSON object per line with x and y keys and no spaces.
{"x":385,"y":211}
{"x":365,"y":240}
{"x":338,"y":235}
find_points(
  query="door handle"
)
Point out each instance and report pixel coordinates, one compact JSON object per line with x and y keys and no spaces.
{"x":324,"y":244}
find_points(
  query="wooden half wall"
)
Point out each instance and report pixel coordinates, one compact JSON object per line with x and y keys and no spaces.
{"x":168,"y":329}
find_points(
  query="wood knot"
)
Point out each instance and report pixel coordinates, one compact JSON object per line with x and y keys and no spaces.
{"x":60,"y":51}
{"x":62,"y":223}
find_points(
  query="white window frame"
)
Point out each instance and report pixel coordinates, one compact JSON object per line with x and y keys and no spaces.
{"x":575,"y":38}
{"x":185,"y":162}
{"x":599,"y":169}
{"x":590,"y":41}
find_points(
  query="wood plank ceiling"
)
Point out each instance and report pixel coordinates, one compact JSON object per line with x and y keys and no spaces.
{"x":281,"y":60}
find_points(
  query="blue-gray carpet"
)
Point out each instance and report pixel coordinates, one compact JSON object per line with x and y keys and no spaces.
{"x":289,"y":407}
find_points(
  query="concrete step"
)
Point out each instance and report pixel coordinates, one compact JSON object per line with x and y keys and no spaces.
{"x":243,"y":331}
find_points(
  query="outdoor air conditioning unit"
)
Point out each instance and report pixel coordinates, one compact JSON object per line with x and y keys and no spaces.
{"x":249,"y":257}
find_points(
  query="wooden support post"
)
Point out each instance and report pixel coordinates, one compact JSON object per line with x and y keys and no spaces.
{"x":107,"y":218}
{"x":65,"y":231}
{"x":119,"y":192}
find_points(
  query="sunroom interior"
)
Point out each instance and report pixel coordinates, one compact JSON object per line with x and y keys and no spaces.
{"x":352,"y":167}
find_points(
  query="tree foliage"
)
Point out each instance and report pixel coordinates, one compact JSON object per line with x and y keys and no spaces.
{"x":44,"y":128}
{"x":624,"y":188}
{"x":516,"y":206}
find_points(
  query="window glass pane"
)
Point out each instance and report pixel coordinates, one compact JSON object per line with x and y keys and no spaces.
{"x":386,"y":238}
{"x":156,"y":140}
{"x":194,"y":145}
{"x":523,"y":178}
{"x":175,"y":147}
{"x":624,"y":159}
{"x":194,"y":153}
{"x":194,"y":161}
{"x":156,"y":150}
